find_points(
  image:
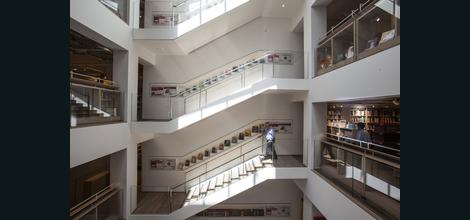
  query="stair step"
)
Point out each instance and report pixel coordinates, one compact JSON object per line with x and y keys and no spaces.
{"x":220,"y":180}
{"x":204,"y":187}
{"x":257,"y":162}
{"x":234,"y":172}
{"x":78,"y":106}
{"x":190,"y":194}
{"x":84,"y":111}
{"x":252,"y":166}
{"x":196,"y":192}
{"x":227,"y":177}
{"x":242,"y":171}
{"x":212,"y":184}
{"x":86,"y":114}
{"x":249,"y":166}
{"x":267,"y":161}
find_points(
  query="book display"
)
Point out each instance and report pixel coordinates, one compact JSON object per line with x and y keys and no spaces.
{"x":377,"y":30}
{"x":259,"y":210}
{"x":237,"y":138}
{"x":241,"y":136}
{"x":281,"y":126}
{"x":271,"y":58}
{"x":200,"y":156}
{"x":247,"y":132}
{"x":234,"y":139}
{"x":381,"y":120}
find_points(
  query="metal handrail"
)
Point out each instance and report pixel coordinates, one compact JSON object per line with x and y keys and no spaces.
{"x":239,"y":67}
{"x":348,"y":18}
{"x":94,"y":87}
{"x":93,"y":79}
{"x":205,"y":173}
{"x":363,"y":142}
{"x":92,"y":199}
{"x":365,"y":155}
{"x":213,"y":140}
{"x":191,"y":168}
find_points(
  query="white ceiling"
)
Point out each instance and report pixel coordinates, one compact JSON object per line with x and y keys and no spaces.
{"x":255,"y":8}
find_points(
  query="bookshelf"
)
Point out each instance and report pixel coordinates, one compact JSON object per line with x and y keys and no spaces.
{"x":381,"y":119}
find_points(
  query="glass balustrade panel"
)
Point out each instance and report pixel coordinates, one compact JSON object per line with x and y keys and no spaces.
{"x":324,"y":57}
{"x":212,"y":9}
{"x":93,"y":105}
{"x":187,"y":15}
{"x":343,"y":46}
{"x":376,"y":28}
{"x":118,"y":7}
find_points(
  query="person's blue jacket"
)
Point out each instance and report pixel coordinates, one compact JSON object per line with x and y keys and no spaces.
{"x":270,"y":134}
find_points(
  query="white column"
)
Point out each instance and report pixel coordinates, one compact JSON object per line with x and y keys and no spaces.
{"x":307,"y":209}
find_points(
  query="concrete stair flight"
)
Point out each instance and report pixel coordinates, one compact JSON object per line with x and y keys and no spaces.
{"x":85,"y":115}
{"x":224,"y":179}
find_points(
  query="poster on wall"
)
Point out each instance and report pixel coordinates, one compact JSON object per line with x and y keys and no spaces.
{"x":163,"y":164}
{"x":278,"y":58}
{"x":163,"y":90}
{"x":282,"y":126}
{"x":278,"y":211}
{"x":161,"y":19}
{"x":283,"y":59}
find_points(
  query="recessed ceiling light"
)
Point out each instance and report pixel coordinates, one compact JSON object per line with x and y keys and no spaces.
{"x":283,"y":5}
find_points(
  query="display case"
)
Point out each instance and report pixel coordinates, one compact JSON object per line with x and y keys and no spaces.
{"x":373,"y":27}
{"x":377,"y":28}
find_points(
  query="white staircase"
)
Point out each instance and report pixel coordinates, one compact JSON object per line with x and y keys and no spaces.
{"x":266,"y":85}
{"x":224,"y":179}
{"x":225,"y":185}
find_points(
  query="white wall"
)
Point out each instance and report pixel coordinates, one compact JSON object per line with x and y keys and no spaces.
{"x":181,"y":142}
{"x":260,"y":34}
{"x":108,"y":25}
{"x":270,"y":191}
{"x":89,"y":143}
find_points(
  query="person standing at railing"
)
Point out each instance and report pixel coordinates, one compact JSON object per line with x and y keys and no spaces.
{"x":270,"y":135}
{"x":361,"y":133}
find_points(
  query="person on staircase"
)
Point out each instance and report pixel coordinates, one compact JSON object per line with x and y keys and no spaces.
{"x":270,"y":135}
